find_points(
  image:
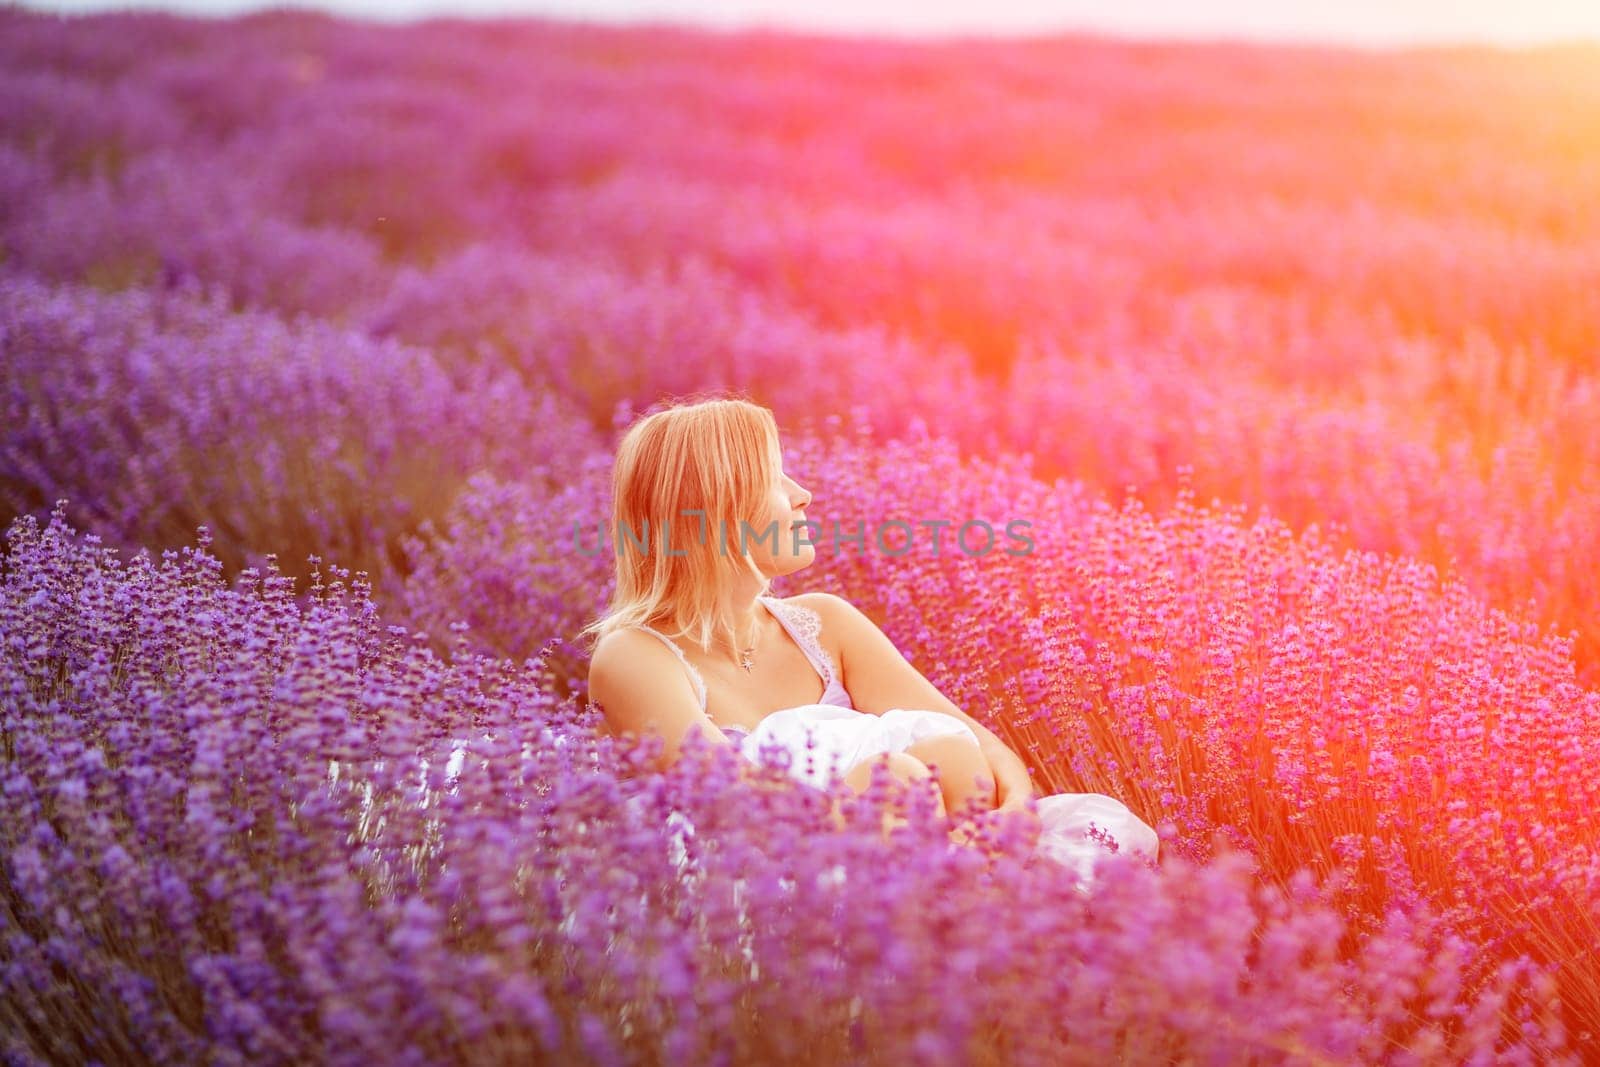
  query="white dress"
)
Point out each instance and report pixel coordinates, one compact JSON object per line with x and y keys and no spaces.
{"x":828,"y":738}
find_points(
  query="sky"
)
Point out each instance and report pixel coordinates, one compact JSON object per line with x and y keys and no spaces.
{"x":1368,"y":23}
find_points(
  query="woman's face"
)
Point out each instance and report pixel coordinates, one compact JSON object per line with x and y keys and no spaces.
{"x":785,"y":508}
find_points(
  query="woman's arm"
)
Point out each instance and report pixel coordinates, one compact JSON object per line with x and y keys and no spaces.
{"x":878,"y":678}
{"x":641,"y":688}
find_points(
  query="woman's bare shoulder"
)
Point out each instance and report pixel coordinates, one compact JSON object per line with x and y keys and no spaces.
{"x":838,"y":617}
{"x":626,"y":657}
{"x":631,"y":676}
{"x":611,"y":645}
{"x":827,"y":605}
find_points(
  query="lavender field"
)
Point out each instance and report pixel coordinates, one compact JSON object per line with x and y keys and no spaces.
{"x":316,"y":337}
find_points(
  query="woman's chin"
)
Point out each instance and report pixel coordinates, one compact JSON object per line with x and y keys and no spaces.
{"x":806,"y":557}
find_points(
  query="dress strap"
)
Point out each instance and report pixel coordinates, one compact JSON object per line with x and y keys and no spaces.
{"x":805,"y":626}
{"x":694,"y":675}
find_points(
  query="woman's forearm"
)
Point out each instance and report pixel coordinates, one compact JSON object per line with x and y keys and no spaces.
{"x":1010,"y":773}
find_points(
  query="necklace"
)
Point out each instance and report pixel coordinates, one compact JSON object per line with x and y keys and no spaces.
{"x":747,"y":659}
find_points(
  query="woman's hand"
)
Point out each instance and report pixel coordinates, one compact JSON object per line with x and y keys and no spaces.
{"x":1013,"y":784}
{"x":1014,"y":795}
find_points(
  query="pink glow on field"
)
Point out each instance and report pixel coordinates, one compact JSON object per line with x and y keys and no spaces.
{"x":1291,"y":356}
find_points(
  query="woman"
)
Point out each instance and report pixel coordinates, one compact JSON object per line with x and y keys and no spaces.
{"x":704,"y":518}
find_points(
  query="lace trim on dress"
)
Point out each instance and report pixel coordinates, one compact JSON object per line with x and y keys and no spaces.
{"x":806,"y":627}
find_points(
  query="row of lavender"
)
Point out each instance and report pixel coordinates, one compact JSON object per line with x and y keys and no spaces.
{"x":242,"y":827}
{"x":1240,"y":687}
{"x":1344,"y":712}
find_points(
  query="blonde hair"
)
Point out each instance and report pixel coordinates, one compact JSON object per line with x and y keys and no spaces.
{"x":718,"y":456}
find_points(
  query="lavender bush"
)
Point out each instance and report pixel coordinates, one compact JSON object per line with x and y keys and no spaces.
{"x":153,"y":411}
{"x":245,"y":830}
{"x":1170,"y":662}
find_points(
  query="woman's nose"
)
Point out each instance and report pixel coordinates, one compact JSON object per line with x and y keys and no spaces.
{"x":803,"y":495}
